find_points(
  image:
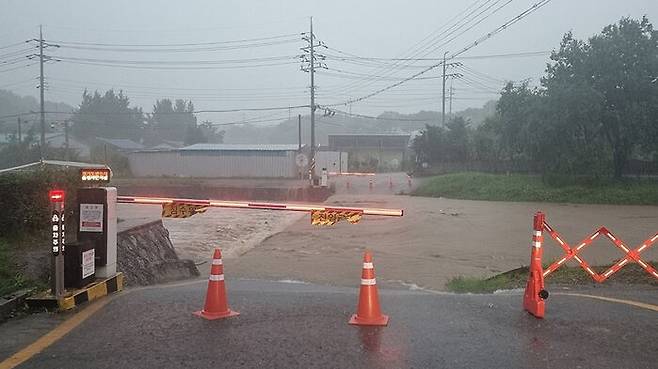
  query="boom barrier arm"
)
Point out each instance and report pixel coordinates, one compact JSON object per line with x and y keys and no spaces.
{"x":257,"y":205}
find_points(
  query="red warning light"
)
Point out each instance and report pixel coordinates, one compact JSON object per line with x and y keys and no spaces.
{"x":56,"y":195}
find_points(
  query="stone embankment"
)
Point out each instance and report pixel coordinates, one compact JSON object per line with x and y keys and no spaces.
{"x":146,"y":255}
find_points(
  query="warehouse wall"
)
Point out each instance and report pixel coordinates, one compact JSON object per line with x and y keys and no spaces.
{"x":334,"y":161}
{"x":221,"y":164}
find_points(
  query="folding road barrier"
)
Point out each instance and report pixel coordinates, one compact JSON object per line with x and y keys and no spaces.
{"x":535,"y":294}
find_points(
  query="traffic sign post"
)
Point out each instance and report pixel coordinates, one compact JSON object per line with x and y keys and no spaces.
{"x":58,"y":241}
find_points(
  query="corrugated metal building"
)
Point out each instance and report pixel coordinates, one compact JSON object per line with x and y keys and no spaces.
{"x":334,"y":161}
{"x":217,"y":160}
{"x":372,"y":151}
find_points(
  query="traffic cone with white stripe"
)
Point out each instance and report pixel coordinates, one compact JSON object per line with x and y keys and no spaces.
{"x":368,"y":312}
{"x":535,"y":294}
{"x":216,"y":306}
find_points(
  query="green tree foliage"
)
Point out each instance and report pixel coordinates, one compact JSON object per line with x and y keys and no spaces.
{"x":596,"y":108}
{"x":26,"y":194}
{"x":175,"y":120}
{"x":107,"y":115}
{"x":449,"y":143}
{"x":18,"y":153}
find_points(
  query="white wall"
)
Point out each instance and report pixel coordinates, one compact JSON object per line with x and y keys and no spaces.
{"x":262,"y":164}
{"x":334,"y":161}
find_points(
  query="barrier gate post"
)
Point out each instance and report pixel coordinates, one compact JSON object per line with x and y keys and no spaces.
{"x":535,"y":294}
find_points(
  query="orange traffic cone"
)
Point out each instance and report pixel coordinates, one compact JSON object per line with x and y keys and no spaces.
{"x":216,"y":306}
{"x":535,"y":294}
{"x":368,"y":312}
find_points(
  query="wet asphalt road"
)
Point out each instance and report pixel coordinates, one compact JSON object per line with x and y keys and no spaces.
{"x":285,"y":325}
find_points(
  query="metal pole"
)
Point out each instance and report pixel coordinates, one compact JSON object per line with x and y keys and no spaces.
{"x":66,"y":139}
{"x":299,"y":132}
{"x":450,"y":111}
{"x":312,"y":64}
{"x":41,"y":88}
{"x":443,"y":100}
{"x":20,"y":137}
{"x":57,"y":260}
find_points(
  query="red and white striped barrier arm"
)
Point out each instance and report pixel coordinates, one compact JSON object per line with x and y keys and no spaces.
{"x":256,"y":205}
{"x":368,"y":174}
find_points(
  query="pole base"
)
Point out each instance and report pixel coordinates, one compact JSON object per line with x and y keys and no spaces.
{"x":356,"y":320}
{"x":214,"y":316}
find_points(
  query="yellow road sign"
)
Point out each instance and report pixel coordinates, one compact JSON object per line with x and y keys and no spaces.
{"x":176,"y":210}
{"x":331,"y":217}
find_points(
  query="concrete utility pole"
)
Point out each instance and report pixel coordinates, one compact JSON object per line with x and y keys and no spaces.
{"x":312,"y":67}
{"x":41,"y":89}
{"x":443,"y":100}
{"x":450,"y":110}
{"x":66,"y":139}
{"x":299,"y":131}
{"x":20,"y":136}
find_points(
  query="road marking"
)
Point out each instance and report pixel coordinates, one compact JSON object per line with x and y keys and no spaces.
{"x":53,"y":336}
{"x":610,"y":299}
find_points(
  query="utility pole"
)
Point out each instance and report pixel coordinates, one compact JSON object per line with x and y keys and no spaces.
{"x":311,"y":60}
{"x":450,"y":111}
{"x":20,"y":136}
{"x":42,"y":88}
{"x":299,"y":131}
{"x":66,"y":139}
{"x":312,"y":63}
{"x":443,"y":100}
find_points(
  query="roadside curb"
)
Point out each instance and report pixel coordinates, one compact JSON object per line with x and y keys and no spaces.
{"x":91,"y":292}
{"x":13,"y":301}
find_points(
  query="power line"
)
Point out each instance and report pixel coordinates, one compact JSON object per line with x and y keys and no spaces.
{"x":489,"y":56}
{"x":193,"y":62}
{"x":380,"y":118}
{"x":145,"y":87}
{"x":508,"y":23}
{"x":176,"y":44}
{"x":468,"y":18}
{"x":153,"y":67}
{"x":181,"y":49}
{"x":12,"y":45}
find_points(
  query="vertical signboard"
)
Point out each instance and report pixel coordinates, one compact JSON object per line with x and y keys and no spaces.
{"x":91,"y":217}
{"x":88,"y":263}
{"x":56,"y":229}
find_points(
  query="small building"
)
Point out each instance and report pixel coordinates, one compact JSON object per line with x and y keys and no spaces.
{"x":121,"y":145}
{"x":217,"y":161}
{"x":369,"y":152}
{"x":58,"y":140}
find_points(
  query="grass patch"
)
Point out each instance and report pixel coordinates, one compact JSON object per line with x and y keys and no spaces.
{"x":478,"y":285}
{"x":571,"y":276}
{"x":10,"y":279}
{"x":518,"y":187}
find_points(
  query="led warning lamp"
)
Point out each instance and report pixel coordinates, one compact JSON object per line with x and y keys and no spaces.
{"x":56,"y":195}
{"x":95,"y":174}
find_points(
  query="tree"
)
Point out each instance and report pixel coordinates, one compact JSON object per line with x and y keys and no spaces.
{"x":613,"y":76}
{"x":430,"y":144}
{"x":108,"y":115}
{"x":457,"y":140}
{"x":174,"y":120}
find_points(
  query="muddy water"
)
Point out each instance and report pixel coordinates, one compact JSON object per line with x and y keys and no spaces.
{"x":234,"y":231}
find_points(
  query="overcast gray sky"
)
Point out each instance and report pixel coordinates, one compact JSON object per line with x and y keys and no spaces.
{"x":264,"y":73}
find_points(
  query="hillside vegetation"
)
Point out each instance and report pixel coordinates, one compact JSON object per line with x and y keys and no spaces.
{"x":518,"y":187}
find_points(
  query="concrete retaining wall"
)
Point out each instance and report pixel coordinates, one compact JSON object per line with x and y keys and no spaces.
{"x":146,"y":255}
